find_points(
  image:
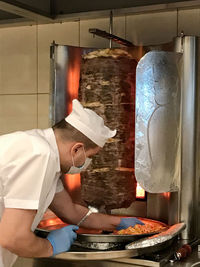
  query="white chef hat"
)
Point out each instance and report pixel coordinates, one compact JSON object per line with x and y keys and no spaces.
{"x":89,"y":123}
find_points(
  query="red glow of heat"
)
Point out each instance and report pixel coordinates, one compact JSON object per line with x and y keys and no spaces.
{"x":73,"y":84}
{"x":166,"y":195}
{"x":72,"y":181}
{"x":72,"y":77}
{"x":51,"y":222}
{"x":140,"y":193}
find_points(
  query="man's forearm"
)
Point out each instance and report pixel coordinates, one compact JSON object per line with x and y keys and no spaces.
{"x":72,"y":213}
{"x":100,"y":221}
{"x":93,"y":221}
{"x":28,"y":246}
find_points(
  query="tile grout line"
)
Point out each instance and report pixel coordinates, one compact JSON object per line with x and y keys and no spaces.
{"x":79,"y":32}
{"x":24,"y":94}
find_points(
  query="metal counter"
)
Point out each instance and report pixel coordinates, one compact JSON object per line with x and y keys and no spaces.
{"x":125,"y":262}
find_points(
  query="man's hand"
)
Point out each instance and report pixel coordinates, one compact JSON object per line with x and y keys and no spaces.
{"x":62,"y":239}
{"x":126,"y":222}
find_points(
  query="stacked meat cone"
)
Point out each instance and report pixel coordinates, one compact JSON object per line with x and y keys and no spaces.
{"x":107,"y":85}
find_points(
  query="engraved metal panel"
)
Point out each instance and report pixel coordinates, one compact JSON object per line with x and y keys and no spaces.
{"x":157,"y":132}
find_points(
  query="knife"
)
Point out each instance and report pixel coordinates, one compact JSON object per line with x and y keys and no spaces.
{"x":185,"y":250}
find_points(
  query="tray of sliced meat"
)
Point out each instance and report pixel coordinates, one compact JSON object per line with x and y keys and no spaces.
{"x":149,"y":228}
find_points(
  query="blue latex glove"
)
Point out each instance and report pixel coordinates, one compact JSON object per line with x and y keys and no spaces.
{"x":126,"y":222}
{"x":62,"y":239}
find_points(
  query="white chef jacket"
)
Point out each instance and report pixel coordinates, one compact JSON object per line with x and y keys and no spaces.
{"x":29,"y":175}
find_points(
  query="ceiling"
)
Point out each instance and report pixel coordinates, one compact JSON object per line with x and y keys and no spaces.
{"x":23,"y":12}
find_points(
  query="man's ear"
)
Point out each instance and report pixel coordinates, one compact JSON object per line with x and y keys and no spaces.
{"x":76,"y":149}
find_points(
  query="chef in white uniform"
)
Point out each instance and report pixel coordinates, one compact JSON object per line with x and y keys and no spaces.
{"x":31,"y":163}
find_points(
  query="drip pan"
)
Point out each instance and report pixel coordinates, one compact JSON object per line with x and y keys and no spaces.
{"x":110,"y":238}
{"x":103,"y":237}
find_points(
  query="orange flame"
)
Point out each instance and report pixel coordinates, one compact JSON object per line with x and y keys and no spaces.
{"x":140,"y":193}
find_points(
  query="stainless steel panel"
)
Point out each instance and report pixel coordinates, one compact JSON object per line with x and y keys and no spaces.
{"x":184,"y":205}
{"x":65,"y":61}
{"x":121,"y":262}
{"x":163,"y":207}
{"x":188,"y":146}
{"x":197,"y":182}
{"x":157,"y":129}
{"x":58,"y":91}
{"x":137,"y":208}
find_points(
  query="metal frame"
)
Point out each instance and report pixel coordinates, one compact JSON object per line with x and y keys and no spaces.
{"x":25,"y":11}
{"x":187,"y":45}
{"x":41,"y":17}
{"x":127,"y":11}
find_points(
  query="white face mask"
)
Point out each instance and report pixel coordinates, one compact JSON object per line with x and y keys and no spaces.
{"x":74,"y":169}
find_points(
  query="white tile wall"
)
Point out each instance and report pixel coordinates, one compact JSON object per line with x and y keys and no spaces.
{"x":18,"y":60}
{"x":66,"y":34}
{"x":189,"y":22}
{"x":17,"y":112}
{"x":119,"y":28}
{"x":43,"y":111}
{"x":153,"y":28}
{"x":87,"y":39}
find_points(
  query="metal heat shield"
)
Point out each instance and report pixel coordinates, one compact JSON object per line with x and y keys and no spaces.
{"x":65,"y":75}
{"x":158,"y":127}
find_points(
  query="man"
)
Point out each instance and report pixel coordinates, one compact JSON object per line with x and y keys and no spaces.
{"x":31,"y":163}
